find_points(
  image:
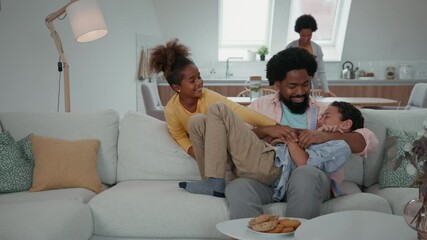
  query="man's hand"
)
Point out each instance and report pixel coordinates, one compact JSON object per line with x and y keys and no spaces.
{"x":307,"y":137}
{"x":330,"y":128}
{"x":354,"y":139}
{"x":284,"y":133}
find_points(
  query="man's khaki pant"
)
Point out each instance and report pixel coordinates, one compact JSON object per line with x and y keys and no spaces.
{"x":221,"y":136}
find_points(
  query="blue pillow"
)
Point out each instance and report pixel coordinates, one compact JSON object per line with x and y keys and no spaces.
{"x":16,"y":164}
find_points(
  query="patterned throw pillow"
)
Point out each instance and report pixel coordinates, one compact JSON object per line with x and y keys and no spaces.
{"x":396,"y":170}
{"x":16,"y":164}
{"x":26,"y":149}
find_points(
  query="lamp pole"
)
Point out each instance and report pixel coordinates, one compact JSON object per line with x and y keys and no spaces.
{"x":49,"y":22}
{"x":88,"y":25}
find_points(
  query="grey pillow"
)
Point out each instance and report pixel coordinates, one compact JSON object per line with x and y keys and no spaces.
{"x":16,"y":164}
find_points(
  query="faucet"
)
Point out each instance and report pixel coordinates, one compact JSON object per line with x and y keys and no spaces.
{"x":228,"y":74}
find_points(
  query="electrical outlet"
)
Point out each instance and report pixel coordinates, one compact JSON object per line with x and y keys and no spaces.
{"x":422,"y":74}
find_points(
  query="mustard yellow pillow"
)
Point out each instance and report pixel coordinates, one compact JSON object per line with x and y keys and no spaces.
{"x":65,"y":164}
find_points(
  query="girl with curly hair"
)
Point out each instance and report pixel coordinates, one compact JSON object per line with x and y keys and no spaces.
{"x":190,"y":97}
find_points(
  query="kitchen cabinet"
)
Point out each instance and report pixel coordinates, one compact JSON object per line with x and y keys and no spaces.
{"x":399,"y":93}
{"x":394,"y":89}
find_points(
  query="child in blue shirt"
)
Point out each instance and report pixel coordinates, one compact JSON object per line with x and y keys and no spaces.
{"x":328,"y":157}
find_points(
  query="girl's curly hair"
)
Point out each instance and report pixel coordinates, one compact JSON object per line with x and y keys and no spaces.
{"x":170,"y":59}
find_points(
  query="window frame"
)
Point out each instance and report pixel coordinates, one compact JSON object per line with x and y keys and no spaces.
{"x":332,"y":49}
{"x":240,"y":49}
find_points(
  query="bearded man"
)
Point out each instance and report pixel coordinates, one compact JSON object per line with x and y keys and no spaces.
{"x":291,"y":71}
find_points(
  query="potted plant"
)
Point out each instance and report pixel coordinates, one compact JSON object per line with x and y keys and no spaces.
{"x":262,"y":51}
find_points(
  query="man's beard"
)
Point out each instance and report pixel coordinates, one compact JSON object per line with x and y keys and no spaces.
{"x":297,"y":108}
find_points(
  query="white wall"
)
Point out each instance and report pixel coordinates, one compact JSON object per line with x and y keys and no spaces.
{"x":103,"y":73}
{"x":386,"y":30}
{"x":194,"y":22}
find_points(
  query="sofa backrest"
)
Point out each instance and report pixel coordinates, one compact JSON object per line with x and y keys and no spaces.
{"x":146,"y":151}
{"x":103,"y":125}
{"x":353,"y":169}
{"x":378,"y":121}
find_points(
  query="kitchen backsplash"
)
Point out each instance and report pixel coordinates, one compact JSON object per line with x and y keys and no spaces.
{"x":244,"y":69}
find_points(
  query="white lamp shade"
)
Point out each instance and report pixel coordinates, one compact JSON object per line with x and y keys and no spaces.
{"x":86,"y":20}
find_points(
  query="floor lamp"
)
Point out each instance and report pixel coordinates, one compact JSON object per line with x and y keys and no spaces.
{"x":87,"y":24}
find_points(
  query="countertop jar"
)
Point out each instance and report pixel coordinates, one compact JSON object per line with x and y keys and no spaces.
{"x":390,"y":73}
{"x":254,"y":85}
{"x":405,"y":72}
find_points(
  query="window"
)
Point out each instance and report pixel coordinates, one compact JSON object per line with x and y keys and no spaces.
{"x":331,"y":17}
{"x":244,"y":25}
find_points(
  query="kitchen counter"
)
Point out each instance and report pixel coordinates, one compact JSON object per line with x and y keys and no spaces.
{"x":332,"y":82}
{"x":398,"y":90}
{"x":374,"y":82}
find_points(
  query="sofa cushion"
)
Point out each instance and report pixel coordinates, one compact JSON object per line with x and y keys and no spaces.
{"x":357,"y":201}
{"x":397,"y":197}
{"x":354,"y":200}
{"x":405,"y":174}
{"x":65,"y":164}
{"x":78,"y":194}
{"x":46,"y":220}
{"x":103,"y":125}
{"x":16,"y":164}
{"x":353,"y":169}
{"x":147,"y":151}
{"x":378,"y":121}
{"x":156,"y":210}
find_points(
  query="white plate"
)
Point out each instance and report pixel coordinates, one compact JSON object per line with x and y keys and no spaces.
{"x":238,"y":229}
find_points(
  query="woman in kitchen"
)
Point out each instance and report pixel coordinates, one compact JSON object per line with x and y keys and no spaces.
{"x":190,"y":96}
{"x":305,"y":25}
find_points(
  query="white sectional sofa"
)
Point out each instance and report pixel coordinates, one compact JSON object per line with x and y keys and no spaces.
{"x":140,"y":167}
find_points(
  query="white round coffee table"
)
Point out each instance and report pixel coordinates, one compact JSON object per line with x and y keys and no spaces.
{"x":356,"y":225}
{"x":238,"y":229}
